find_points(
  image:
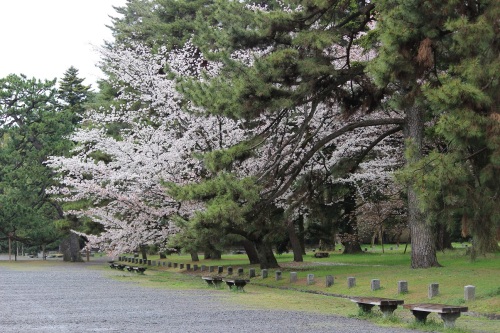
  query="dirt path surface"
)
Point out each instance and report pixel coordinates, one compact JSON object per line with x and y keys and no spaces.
{"x":61,"y":297}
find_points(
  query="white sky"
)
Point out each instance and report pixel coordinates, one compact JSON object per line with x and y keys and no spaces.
{"x":43,"y":38}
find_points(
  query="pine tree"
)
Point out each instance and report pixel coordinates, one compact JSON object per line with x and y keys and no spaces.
{"x":73,"y":93}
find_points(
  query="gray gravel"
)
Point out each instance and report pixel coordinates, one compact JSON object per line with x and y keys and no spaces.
{"x":75,"y":298}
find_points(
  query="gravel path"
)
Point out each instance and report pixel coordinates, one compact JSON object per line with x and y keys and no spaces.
{"x":74,"y":298}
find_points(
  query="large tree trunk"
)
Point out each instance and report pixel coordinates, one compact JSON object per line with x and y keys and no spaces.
{"x":302,"y":234}
{"x":294,"y":241}
{"x":423,"y":249}
{"x":70,"y":247}
{"x":349,"y":226}
{"x":144,"y":252}
{"x":266,"y":255}
{"x":252,"y":254}
{"x":194,"y":256}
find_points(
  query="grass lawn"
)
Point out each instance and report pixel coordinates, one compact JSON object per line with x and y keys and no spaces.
{"x":389,"y":267}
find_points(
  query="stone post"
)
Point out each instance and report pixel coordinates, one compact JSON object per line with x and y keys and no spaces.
{"x":433,"y":290}
{"x":169,"y":264}
{"x":240,"y":271}
{"x":195,"y":268}
{"x":264,"y":273}
{"x":251,"y":272}
{"x":220,"y":269}
{"x":293,"y":277}
{"x":375,"y":284}
{"x":351,"y":282}
{"x":329,"y":281}
{"x":188,"y":267}
{"x":181,"y":266}
{"x":203,"y":268}
{"x":469,"y":293}
{"x":229,"y":270}
{"x":277,"y":275}
{"x":402,"y":287}
{"x":310,"y":279}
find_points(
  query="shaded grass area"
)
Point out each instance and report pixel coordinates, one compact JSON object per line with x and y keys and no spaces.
{"x":390,"y":267}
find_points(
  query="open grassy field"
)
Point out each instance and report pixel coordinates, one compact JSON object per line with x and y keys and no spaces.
{"x":389,"y":267}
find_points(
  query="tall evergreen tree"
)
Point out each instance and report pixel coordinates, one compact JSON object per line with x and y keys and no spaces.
{"x":425,"y":53}
{"x":32,"y":127}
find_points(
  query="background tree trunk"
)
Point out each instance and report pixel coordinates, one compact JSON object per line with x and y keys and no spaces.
{"x":266,"y":255}
{"x":70,"y":248}
{"x":423,"y":249}
{"x":194,"y":256}
{"x":249,"y":247}
{"x":294,"y":241}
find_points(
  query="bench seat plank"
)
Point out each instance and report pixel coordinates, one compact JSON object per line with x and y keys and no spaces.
{"x":386,"y":305}
{"x":449,"y":313}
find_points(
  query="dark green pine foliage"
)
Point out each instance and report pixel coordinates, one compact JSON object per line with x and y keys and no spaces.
{"x":73,"y":93}
{"x":461,"y":179}
{"x":298,"y":68}
{"x":32,"y":126}
{"x":157,"y":23}
{"x":438,"y":61}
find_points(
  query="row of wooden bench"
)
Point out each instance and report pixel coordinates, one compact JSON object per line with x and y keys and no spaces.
{"x":121,"y":267}
{"x":449,"y":313}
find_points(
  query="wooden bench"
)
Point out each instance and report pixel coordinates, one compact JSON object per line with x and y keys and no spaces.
{"x":139,"y":270}
{"x":117,"y":266}
{"x":387,"y":305}
{"x":321,"y":255}
{"x":449,"y":313}
{"x":212,"y":280}
{"x":238,"y":283}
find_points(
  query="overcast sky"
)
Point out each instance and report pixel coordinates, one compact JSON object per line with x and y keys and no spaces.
{"x":43,"y":38}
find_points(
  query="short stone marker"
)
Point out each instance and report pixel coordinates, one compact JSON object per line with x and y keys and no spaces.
{"x":195,"y":268}
{"x":329,"y":280}
{"x":469,"y":293}
{"x":175,"y":265}
{"x":402,"y":287}
{"x":203,"y":268}
{"x":310,"y":279}
{"x":211,"y":269}
{"x":181,"y":266}
{"x":240,"y":271}
{"x":277,"y":275}
{"x":251,"y":272}
{"x":153,"y":263}
{"x":293,"y":277}
{"x":229,"y":270}
{"x":188,"y":267}
{"x":351,"y":282}
{"x":375,"y":284}
{"x":169,"y":264}
{"x":433,"y":290}
{"x":220,"y":269}
{"x":264,"y":273}
{"x":149,"y":262}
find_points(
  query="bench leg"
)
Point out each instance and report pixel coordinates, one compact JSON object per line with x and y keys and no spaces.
{"x":420,"y":316}
{"x":387,"y":310}
{"x":449,"y":319}
{"x":366,"y":308}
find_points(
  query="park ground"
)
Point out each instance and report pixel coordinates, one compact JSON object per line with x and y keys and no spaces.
{"x":389,"y":266}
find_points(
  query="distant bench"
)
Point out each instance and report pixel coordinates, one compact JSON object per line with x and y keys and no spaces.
{"x":117,"y":266}
{"x":212,"y":280}
{"x":387,"y":305}
{"x":238,"y":283}
{"x":449,"y":313}
{"x":321,"y":255}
